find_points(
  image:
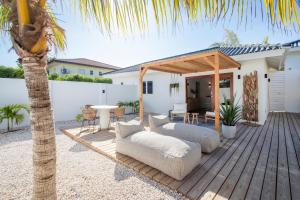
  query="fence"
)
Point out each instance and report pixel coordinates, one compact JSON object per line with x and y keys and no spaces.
{"x":67,"y":97}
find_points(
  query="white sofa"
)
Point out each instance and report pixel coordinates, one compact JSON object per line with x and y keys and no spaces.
{"x":174,"y":157}
{"x":208,"y":138}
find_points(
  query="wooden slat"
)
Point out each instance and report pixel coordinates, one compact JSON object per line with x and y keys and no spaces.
{"x":197,"y":190}
{"x":236,"y":189}
{"x":283,"y":179}
{"x":294,"y":169}
{"x":255,"y":187}
{"x":269,"y":186}
{"x":188,"y":182}
{"x":229,"y":180}
{"x":294,"y":135}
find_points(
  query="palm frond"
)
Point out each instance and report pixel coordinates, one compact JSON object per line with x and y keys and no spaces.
{"x":58,"y":38}
{"x":4,"y":19}
{"x":134,"y":13}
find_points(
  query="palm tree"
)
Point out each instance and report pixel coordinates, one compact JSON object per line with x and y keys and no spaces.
{"x":12,"y":114}
{"x":33,"y":28}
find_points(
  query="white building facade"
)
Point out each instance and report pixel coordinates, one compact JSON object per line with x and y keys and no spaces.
{"x":274,"y":64}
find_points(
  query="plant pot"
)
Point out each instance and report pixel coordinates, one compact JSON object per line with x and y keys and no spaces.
{"x":228,"y":131}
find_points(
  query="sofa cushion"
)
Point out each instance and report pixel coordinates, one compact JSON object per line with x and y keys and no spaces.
{"x":208,"y":138}
{"x":124,"y":129}
{"x":173,"y":156}
{"x":158,"y":120}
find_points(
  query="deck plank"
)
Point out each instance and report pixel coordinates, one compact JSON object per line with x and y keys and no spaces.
{"x":174,"y":185}
{"x":212,"y":189}
{"x":255,"y":187}
{"x":269,"y":186}
{"x":294,"y":170}
{"x":195,"y":177}
{"x":202,"y":183}
{"x":246,"y":159}
{"x":283,"y":179}
{"x":240,"y":189}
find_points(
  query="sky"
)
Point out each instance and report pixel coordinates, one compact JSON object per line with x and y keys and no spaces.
{"x":84,"y":40}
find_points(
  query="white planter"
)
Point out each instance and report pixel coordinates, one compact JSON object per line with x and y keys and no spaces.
{"x":228,"y":131}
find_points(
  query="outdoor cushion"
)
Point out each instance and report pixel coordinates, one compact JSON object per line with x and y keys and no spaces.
{"x":172,"y":156}
{"x":180,"y":107}
{"x":208,"y":138}
{"x":124,"y":129}
{"x":210,"y":114}
{"x":158,"y":120}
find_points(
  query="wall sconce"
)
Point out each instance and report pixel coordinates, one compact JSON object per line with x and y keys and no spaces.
{"x":103,"y":91}
{"x":239,"y":76}
{"x":269,"y":80}
{"x":266,"y":75}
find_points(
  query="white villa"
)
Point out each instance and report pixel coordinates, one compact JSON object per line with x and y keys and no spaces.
{"x":81,"y":66}
{"x":278,"y":77}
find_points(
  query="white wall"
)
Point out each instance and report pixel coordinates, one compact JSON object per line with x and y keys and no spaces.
{"x":292,"y":82}
{"x":67,"y":97}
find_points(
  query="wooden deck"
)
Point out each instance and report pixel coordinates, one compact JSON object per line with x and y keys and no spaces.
{"x":260,"y":163}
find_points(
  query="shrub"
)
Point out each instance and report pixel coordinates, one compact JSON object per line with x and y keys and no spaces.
{"x":79,"y":78}
{"x":11,"y":72}
{"x":53,"y":76}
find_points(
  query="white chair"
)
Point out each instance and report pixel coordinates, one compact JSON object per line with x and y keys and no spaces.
{"x":179,"y":109}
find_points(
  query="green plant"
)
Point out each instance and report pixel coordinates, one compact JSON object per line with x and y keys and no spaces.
{"x":11,"y":72}
{"x":79,"y":78}
{"x":78,"y":117}
{"x":132,"y":104}
{"x":11,"y":113}
{"x":174,"y":86}
{"x":53,"y":76}
{"x":230,"y":112}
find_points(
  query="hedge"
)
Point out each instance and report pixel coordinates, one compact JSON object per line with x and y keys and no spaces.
{"x":79,"y":78}
{"x":10,"y":72}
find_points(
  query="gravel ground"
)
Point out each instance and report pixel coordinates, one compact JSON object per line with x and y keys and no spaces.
{"x":81,"y":173}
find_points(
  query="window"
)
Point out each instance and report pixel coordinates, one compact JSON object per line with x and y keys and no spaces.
{"x":91,"y":72}
{"x":100,"y":73}
{"x":148,"y":87}
{"x":65,"y":71}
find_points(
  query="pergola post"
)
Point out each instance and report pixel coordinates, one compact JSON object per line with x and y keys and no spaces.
{"x":217,"y":93}
{"x":141,"y":102}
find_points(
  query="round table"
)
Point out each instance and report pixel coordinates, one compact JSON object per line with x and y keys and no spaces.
{"x":104,"y":113}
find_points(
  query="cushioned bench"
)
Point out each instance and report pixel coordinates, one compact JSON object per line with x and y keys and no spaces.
{"x":174,"y":157}
{"x":208,"y":138}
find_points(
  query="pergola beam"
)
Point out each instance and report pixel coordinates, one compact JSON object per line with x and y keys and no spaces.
{"x":141,"y":100}
{"x":217,"y":93}
{"x":210,"y":61}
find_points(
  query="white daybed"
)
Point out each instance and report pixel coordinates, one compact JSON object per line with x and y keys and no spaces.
{"x":174,"y":157}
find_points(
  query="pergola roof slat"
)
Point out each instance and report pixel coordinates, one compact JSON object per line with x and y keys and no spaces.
{"x":199,"y":62}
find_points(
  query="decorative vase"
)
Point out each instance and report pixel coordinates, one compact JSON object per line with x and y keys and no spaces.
{"x":228,"y":131}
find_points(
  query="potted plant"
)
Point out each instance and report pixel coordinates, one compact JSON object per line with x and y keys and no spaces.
{"x":230,"y":113}
{"x":175,"y":87}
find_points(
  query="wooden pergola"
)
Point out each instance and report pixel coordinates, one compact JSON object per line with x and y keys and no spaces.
{"x":191,"y":63}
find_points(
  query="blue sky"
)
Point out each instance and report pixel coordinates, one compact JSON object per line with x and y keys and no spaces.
{"x":85,"y":40}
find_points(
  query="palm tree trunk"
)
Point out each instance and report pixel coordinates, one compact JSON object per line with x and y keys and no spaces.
{"x":42,"y":128}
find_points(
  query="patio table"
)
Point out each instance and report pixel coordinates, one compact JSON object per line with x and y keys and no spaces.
{"x":104,"y":113}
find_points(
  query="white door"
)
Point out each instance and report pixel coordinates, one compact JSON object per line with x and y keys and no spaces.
{"x":277,"y":91}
